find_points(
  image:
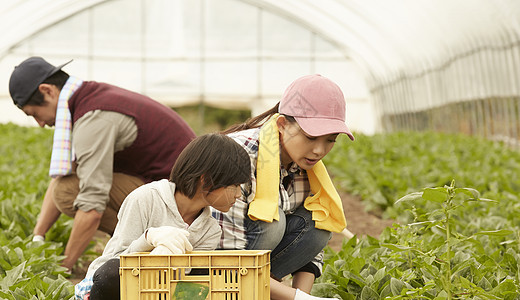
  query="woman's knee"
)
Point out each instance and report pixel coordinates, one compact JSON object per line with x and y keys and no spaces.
{"x":322,"y":237}
{"x":265,"y":235}
{"x":300,"y":220}
{"x":300,"y":224}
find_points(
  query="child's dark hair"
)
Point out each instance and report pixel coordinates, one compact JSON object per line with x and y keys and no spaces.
{"x":58,"y":79}
{"x":216,"y":158}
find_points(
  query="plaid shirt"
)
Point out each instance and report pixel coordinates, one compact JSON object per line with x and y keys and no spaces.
{"x":82,"y":289}
{"x":292,"y":195}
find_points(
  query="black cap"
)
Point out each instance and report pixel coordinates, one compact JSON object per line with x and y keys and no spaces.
{"x":27,"y":76}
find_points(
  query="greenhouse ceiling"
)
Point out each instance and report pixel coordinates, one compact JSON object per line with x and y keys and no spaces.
{"x":383,"y":36}
{"x":392,"y":58}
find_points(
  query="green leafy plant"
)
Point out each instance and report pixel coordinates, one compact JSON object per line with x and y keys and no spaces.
{"x":451,"y":241}
{"x":28,"y":270}
{"x":435,"y":257}
{"x":384,"y":167}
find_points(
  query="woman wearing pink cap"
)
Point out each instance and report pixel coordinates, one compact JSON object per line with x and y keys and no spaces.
{"x":291,"y":206}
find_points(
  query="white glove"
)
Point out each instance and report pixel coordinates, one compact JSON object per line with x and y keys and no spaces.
{"x":168,"y":238}
{"x":38,"y":238}
{"x":161,"y":250}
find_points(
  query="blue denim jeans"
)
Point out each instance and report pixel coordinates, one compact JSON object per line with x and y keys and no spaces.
{"x":293,"y":239}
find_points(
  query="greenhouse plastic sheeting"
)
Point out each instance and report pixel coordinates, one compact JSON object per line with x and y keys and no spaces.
{"x":375,"y":49}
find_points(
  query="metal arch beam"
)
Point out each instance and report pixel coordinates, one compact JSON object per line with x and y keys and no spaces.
{"x":329,"y":19}
{"x":24,"y":18}
{"x":358,"y":32}
{"x":424,"y":37}
{"x":329,"y":27}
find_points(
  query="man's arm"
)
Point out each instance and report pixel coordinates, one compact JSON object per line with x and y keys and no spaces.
{"x":49,"y":212}
{"x":83,"y":229}
{"x":96,"y":137}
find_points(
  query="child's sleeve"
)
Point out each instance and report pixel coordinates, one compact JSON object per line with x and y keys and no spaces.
{"x":133,"y":221}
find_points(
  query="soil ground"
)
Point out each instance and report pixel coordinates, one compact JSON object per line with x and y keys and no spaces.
{"x":359,"y":222}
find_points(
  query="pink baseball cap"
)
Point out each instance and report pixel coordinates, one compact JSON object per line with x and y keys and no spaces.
{"x":317,"y":104}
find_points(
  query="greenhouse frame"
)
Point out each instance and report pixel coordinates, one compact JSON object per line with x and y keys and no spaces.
{"x":442,"y":65}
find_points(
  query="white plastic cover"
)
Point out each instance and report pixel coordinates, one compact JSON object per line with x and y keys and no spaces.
{"x":234,"y":53}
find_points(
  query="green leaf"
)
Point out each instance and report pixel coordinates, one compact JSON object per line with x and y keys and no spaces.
{"x":13,"y":257}
{"x":190,"y":291}
{"x":4,"y":265}
{"x":410,"y":197}
{"x":12,"y":276}
{"x":468,"y":191}
{"x":339,"y":263}
{"x":484,"y":284}
{"x":7,"y":296}
{"x":394,"y":247}
{"x":369,"y":294}
{"x":354,"y":277}
{"x":437,"y":194}
{"x":396,"y":286}
{"x":443,"y":297}
{"x":464,"y":283}
{"x":487,"y":200}
{"x":357,"y":264}
{"x":380,"y":274}
{"x":383,"y":283}
{"x":505,"y":287}
{"x":422,"y":223}
{"x":324,"y":289}
{"x":502,"y":232}
{"x":386,"y":292}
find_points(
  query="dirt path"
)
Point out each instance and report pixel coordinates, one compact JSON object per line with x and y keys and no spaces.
{"x":359,"y":221}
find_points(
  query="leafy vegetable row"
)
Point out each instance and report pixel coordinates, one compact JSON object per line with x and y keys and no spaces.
{"x":28,"y":270}
{"x":458,"y":238}
{"x":384,"y":167}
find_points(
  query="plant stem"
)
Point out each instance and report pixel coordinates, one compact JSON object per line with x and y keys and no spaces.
{"x":449,"y":206}
{"x":448,"y":262}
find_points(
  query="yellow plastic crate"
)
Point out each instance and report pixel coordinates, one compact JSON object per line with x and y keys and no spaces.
{"x":222,"y":275}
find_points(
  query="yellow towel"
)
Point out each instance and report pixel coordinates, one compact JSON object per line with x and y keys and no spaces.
{"x":325,"y":205}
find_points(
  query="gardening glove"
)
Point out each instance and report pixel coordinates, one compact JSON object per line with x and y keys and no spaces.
{"x":162,"y":250}
{"x":300,"y":295}
{"x":38,"y":238}
{"x":168,"y":238}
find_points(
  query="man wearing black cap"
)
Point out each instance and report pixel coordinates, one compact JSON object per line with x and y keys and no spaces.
{"x":107,"y":142}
